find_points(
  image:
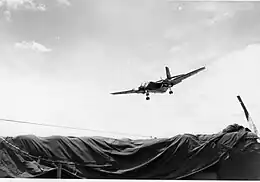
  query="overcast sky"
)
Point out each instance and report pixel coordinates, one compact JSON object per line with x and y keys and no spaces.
{"x":60,"y":59}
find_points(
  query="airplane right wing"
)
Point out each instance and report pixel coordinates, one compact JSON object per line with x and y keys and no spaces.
{"x":133,"y":91}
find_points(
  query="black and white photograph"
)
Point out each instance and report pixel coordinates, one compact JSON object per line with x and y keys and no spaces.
{"x":129,"y":90}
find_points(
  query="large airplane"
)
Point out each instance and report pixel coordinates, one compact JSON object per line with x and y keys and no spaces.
{"x":160,"y":86}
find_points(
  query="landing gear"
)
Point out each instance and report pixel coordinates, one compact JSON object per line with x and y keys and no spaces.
{"x":170,"y":92}
{"x":147,"y":96}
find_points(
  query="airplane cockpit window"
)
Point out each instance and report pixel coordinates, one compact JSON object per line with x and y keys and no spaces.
{"x":143,"y":85}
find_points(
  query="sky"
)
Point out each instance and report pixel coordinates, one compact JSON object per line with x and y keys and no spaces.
{"x":61,"y":59}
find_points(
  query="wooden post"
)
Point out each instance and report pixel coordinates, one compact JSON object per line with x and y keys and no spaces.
{"x":59,"y":170}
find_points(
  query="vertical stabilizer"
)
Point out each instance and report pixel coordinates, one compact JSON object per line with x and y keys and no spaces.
{"x":168,"y":74}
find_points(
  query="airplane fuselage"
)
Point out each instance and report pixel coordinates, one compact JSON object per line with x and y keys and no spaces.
{"x":158,"y":90}
{"x":162,"y":87}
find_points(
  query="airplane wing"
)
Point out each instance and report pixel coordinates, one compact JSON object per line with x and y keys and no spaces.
{"x":176,"y":76}
{"x":133,"y":91}
{"x":163,"y":80}
{"x":181,"y":76}
{"x":184,"y":76}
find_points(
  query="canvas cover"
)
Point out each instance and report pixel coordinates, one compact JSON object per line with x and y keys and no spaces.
{"x":98,"y":157}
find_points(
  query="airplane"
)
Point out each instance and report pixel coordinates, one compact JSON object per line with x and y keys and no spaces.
{"x":160,"y":86}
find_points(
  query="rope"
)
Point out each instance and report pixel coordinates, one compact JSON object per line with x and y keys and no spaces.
{"x":75,"y":128}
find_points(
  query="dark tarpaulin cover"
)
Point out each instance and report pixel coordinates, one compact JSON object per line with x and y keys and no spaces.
{"x":99,"y":157}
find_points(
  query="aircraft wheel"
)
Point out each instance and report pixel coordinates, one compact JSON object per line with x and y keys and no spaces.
{"x":171,"y":92}
{"x":147,"y":98}
{"x":147,"y":94}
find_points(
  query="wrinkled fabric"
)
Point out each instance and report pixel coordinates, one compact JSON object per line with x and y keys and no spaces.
{"x":99,"y":157}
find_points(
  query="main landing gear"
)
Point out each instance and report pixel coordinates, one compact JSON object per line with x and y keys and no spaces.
{"x":147,"y":96}
{"x":170,"y":92}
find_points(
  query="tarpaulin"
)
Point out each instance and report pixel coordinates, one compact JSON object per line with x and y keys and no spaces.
{"x":99,"y":157}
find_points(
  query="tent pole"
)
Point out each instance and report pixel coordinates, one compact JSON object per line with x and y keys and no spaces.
{"x":252,"y":125}
{"x":244,"y":107}
{"x":59,"y":171}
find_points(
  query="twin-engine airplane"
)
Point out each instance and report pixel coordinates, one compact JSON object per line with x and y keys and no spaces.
{"x":160,"y":86}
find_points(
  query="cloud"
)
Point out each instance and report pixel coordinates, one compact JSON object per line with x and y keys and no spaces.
{"x":64,"y":2}
{"x":223,"y":6}
{"x":32,"y":5}
{"x":28,"y":4}
{"x":216,"y":11}
{"x":41,"y":7}
{"x":207,"y":102}
{"x":222,"y":10}
{"x":7,"y":15}
{"x":176,"y":48}
{"x":14,"y":5}
{"x":22,"y":4}
{"x":32,"y":45}
{"x":234,"y":74}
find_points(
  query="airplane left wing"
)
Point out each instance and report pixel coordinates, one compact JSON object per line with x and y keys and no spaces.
{"x":184,"y":76}
{"x":133,"y":91}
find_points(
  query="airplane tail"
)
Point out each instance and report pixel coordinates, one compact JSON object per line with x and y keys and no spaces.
{"x":168,"y":73}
